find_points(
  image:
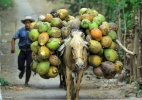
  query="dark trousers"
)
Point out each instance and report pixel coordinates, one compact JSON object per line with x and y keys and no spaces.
{"x":24,"y":61}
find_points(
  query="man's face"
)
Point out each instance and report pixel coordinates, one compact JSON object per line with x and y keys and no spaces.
{"x":27,"y":24}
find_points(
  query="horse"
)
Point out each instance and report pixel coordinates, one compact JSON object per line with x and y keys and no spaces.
{"x":74,"y":63}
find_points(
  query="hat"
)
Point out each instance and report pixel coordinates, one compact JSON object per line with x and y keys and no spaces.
{"x":27,"y":18}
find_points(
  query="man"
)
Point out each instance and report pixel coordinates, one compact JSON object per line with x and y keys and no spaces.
{"x":24,"y":57}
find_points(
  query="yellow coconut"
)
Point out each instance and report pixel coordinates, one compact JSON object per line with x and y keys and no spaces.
{"x":43,"y":38}
{"x":48,"y":18}
{"x":53,"y":72}
{"x":106,"y":41}
{"x":62,"y":13}
{"x":44,"y":52}
{"x":94,"y":60}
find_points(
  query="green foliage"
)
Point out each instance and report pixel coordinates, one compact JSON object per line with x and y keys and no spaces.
{"x":5,"y":4}
{"x":3,"y":82}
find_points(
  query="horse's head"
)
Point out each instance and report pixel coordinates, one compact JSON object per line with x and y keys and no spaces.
{"x":78,"y":48}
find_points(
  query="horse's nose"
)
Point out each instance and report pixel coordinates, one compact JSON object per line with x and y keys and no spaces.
{"x":79,"y":64}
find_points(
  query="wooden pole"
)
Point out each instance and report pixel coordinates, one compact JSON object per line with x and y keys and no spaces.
{"x":124,"y":48}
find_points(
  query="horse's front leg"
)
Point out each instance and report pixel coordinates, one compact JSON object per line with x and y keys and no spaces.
{"x":68,"y":83}
{"x":80,"y":73}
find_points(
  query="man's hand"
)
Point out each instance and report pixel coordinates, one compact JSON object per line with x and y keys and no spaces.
{"x":12,"y":51}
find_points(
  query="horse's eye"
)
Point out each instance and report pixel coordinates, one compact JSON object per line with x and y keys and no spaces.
{"x":72,"y":48}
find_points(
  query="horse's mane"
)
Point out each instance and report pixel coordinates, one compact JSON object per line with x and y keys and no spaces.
{"x":77,"y":39}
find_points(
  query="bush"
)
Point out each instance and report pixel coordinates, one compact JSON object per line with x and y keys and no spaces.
{"x":5,"y":4}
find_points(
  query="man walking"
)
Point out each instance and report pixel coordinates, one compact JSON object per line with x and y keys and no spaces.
{"x":24,"y":57}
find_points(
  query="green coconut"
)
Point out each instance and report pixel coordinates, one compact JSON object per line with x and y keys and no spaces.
{"x":113,"y":45}
{"x":82,"y":11}
{"x":53,"y":44}
{"x":97,"y":20}
{"x":33,"y":35}
{"x":112,"y":34}
{"x":43,"y":26}
{"x":34,"y":66}
{"x":54,"y":32}
{"x":110,"y":55}
{"x":85,"y":23}
{"x":93,"y":25}
{"x":56,"y":22}
{"x":35,"y":47}
{"x":43,"y":67}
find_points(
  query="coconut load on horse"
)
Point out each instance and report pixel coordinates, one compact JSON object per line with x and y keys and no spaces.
{"x":59,"y":48}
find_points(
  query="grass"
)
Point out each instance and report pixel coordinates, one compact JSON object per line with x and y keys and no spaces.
{"x":3,"y":82}
{"x":4,"y":4}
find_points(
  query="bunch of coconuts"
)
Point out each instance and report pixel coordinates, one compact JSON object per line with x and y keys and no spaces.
{"x":49,"y":32}
{"x":101,"y":36}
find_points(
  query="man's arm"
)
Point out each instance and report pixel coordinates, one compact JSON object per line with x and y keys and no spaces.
{"x":13,"y":45}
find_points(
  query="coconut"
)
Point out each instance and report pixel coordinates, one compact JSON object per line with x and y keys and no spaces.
{"x":69,"y":18}
{"x":56,"y":22}
{"x":118,"y":66}
{"x":65,"y":31}
{"x":102,"y":18}
{"x":44,"y":52}
{"x":34,"y":56}
{"x":34,"y":66}
{"x":108,"y":67}
{"x":94,"y":60}
{"x":87,"y":16}
{"x":95,"y":46}
{"x":41,"y":18}
{"x":53,"y":44}
{"x":85,"y":23}
{"x":113,"y":26}
{"x":48,"y":18}
{"x":62,"y":13}
{"x":104,"y":29}
{"x":54,"y":60}
{"x":82,"y":11}
{"x":110,"y":55}
{"x":33,"y":35}
{"x":93,"y":25}
{"x":32,"y":25}
{"x":43,"y":67}
{"x":112,"y":34}
{"x":53,"y":72}
{"x":35,"y":47}
{"x":106,"y":41}
{"x":43,"y":26}
{"x":44,"y":76}
{"x":74,"y":24}
{"x":113,"y":45}
{"x":98,"y":71}
{"x":54,"y":32}
{"x":97,"y":20}
{"x":43,"y":38}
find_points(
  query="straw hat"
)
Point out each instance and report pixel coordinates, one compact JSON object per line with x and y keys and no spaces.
{"x":27,"y":18}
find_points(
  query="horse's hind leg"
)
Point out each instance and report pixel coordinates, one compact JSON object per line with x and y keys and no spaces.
{"x":80,"y":73}
{"x":68,"y":83}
